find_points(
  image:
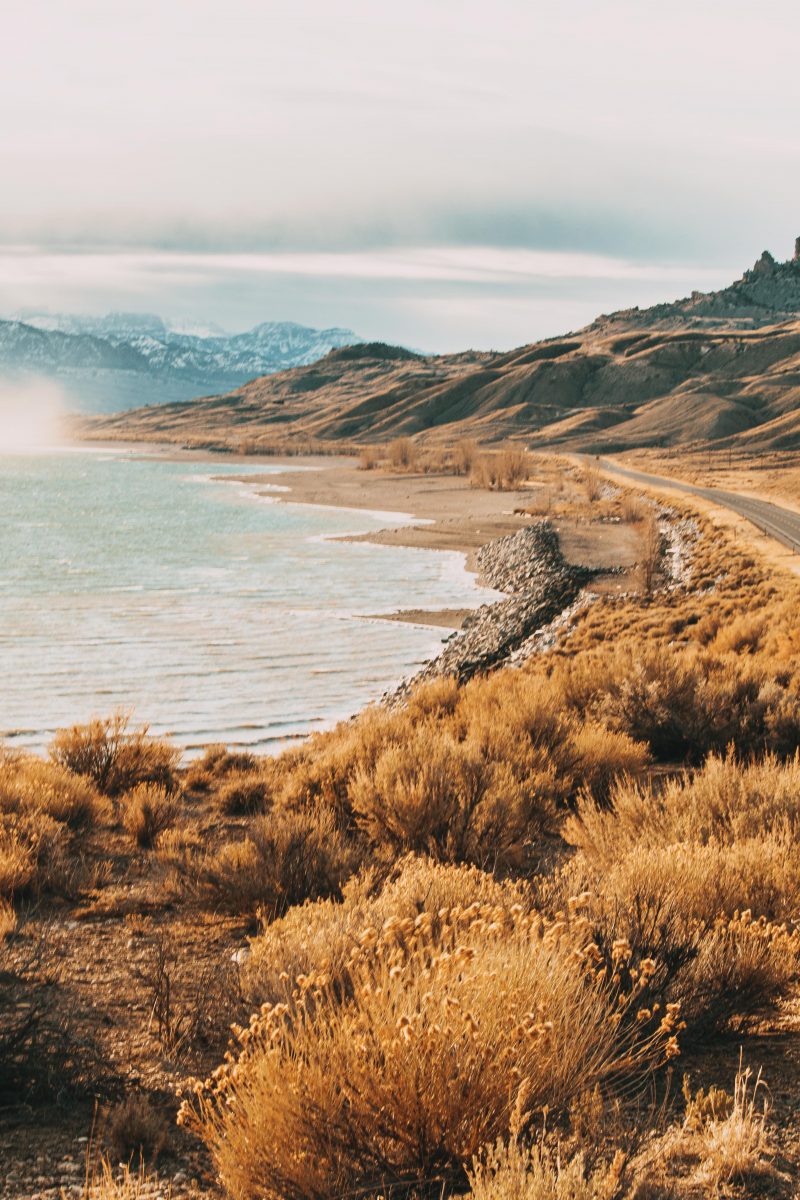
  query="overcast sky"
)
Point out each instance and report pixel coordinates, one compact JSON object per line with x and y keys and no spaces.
{"x":443,"y":173}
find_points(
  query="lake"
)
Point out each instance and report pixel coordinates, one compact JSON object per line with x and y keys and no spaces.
{"x":215,"y":613}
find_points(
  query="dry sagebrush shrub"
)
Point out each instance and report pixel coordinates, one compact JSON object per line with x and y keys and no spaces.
{"x":322,"y":936}
{"x":687,"y":703}
{"x":215,"y":765}
{"x":731,"y":831}
{"x":440,"y":1044}
{"x":242,"y":793}
{"x":678,"y":876}
{"x":438,"y":796}
{"x":33,"y":853}
{"x":148,"y":810}
{"x":474,"y":772}
{"x":29,"y":786}
{"x":725,"y":802}
{"x":114,"y":756}
{"x":287,"y":857}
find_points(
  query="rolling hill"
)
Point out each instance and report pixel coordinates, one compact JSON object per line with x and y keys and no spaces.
{"x":719,"y":368}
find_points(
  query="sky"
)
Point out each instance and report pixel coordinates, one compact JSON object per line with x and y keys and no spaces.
{"x":440,"y":173}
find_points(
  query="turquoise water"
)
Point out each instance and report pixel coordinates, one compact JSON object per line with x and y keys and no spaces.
{"x":214,"y":613}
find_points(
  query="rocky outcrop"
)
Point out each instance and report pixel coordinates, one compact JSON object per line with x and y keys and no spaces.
{"x":539,"y":583}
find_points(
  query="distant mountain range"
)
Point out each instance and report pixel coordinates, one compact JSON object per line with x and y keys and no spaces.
{"x":124,"y":360}
{"x":719,"y":367}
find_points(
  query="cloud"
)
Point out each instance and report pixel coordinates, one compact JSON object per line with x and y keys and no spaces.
{"x":431,"y":297}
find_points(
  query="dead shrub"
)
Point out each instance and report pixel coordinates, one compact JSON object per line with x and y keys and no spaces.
{"x":592,"y":483}
{"x":632,"y":508}
{"x":513,"y":467}
{"x":651,"y":550}
{"x":465,"y":452}
{"x":114,"y":756}
{"x":368,"y":458}
{"x":135,"y":1131}
{"x":147,"y":810}
{"x":484,"y":472}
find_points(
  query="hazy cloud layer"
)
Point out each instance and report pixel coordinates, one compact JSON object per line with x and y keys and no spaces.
{"x":657,"y":135}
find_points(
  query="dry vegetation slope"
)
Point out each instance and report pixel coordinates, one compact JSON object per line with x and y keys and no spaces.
{"x":713,"y":368}
{"x":489,"y":931}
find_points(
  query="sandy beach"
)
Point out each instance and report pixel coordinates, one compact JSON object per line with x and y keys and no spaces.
{"x":452,"y":515}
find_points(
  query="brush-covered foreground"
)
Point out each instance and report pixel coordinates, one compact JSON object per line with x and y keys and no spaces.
{"x":504,"y":941}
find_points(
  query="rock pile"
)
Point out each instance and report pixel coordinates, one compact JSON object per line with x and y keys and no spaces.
{"x":539,"y":583}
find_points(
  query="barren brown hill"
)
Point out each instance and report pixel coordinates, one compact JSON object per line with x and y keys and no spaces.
{"x":714,"y":368}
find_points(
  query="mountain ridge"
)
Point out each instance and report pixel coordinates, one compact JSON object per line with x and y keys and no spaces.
{"x":719,"y":368}
{"x":124,"y":359}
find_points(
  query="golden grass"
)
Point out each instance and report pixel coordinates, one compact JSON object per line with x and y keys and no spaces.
{"x":515,"y":1171}
{"x":104,"y":1182}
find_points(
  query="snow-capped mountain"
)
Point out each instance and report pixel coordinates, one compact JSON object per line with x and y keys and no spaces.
{"x":105,"y":364}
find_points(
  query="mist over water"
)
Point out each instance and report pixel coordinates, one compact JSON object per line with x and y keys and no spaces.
{"x":31,"y":415}
{"x":215,"y":614}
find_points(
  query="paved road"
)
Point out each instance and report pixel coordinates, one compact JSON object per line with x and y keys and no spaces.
{"x":780,"y":523}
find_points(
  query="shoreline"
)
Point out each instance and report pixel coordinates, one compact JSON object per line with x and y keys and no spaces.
{"x":429,"y":512}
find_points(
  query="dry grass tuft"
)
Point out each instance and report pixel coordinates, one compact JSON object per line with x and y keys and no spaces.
{"x":739,"y":1145}
{"x":8,"y":919}
{"x":103,"y":1182}
{"x":512,"y":1171}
